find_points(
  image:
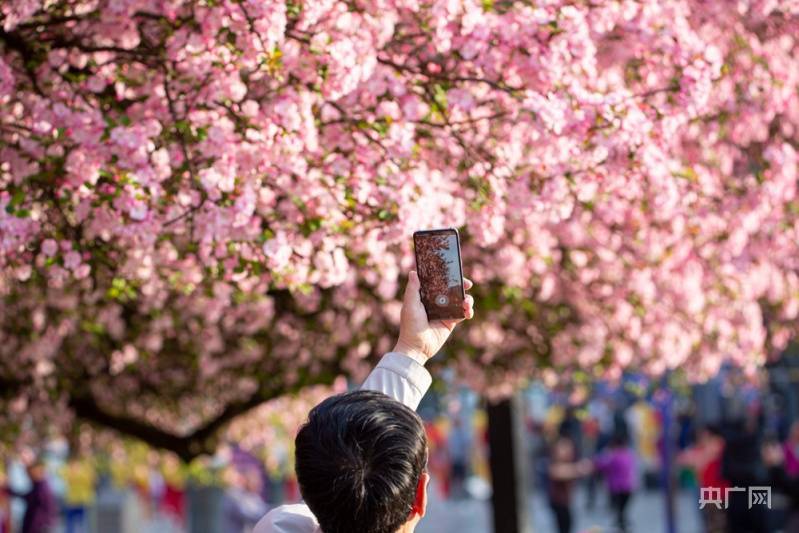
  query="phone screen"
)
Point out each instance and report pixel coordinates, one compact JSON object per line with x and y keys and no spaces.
{"x":438,"y":263}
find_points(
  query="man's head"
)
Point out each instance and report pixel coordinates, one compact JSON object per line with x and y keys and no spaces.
{"x":36,"y":470}
{"x":361,"y":461}
{"x":563,"y":450}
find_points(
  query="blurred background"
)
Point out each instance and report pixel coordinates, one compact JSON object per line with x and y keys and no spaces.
{"x":679,"y":437}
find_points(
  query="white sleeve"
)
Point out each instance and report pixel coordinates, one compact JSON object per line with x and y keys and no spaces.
{"x":401,"y":378}
{"x":295,"y":518}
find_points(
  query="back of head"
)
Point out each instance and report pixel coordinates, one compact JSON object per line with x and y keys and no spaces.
{"x":359,"y":460}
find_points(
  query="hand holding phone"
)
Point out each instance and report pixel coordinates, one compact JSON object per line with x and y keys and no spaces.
{"x":422,"y":336}
{"x":438,"y":262}
{"x":419,"y":337}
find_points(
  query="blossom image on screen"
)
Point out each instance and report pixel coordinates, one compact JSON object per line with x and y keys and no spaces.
{"x":439,"y":272}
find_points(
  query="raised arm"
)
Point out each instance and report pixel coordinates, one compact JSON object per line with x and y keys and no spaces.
{"x":401,"y":373}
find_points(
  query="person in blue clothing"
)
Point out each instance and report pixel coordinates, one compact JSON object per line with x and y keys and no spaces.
{"x":459,"y":450}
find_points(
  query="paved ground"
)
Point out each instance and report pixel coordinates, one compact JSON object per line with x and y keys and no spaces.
{"x":646,"y":515}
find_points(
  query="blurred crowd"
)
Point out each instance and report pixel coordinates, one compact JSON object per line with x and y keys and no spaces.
{"x":593,"y":445}
{"x":665,"y":441}
{"x":606,"y":447}
{"x":97,"y":492}
{"x":630,"y":448}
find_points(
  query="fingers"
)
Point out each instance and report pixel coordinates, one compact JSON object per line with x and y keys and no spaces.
{"x":468,"y":307}
{"x":468,"y":313}
{"x":413,"y":300}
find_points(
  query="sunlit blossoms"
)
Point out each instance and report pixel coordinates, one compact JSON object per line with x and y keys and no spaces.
{"x":204,"y":205}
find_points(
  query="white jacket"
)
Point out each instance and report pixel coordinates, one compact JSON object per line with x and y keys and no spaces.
{"x":397,"y":376}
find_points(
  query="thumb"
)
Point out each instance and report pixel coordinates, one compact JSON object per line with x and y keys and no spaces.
{"x":412,"y":296}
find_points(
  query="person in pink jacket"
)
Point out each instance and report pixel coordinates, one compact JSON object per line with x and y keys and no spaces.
{"x":791,"y":451}
{"x":361,"y":459}
{"x":618,"y":465}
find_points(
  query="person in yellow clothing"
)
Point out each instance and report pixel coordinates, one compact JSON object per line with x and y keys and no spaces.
{"x":646,"y":430}
{"x":80,"y":479}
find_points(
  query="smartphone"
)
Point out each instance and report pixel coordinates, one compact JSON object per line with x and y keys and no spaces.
{"x":438,"y":263}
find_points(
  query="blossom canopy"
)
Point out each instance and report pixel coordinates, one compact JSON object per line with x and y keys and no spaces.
{"x":208,"y":204}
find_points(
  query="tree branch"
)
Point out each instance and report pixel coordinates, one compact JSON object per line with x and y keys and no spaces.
{"x":201,"y":441}
{"x":27,"y":54}
{"x":87,"y":408}
{"x":9,"y":387}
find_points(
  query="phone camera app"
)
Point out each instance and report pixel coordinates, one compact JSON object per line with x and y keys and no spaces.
{"x":442,"y":300}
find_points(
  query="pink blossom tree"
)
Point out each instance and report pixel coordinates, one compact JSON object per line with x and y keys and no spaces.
{"x":206,"y":205}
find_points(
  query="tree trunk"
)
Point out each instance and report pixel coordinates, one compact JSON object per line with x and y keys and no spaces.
{"x":509,"y":472}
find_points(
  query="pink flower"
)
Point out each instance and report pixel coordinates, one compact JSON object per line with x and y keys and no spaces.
{"x":278,"y":252}
{"x":23,"y":272}
{"x":71,"y":260}
{"x":49,"y":247}
{"x":83,"y":271}
{"x":138,"y":210}
{"x":210,"y":178}
{"x":213,"y":179}
{"x":461,"y":99}
{"x":413,"y":108}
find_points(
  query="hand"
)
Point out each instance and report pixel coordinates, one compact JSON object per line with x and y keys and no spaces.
{"x":419,"y":338}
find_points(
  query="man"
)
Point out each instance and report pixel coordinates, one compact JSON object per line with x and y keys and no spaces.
{"x":361,"y":459}
{"x":742,"y":466}
{"x":40,"y":506}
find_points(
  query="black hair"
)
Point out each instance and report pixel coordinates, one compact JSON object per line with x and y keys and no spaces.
{"x":359,"y":459}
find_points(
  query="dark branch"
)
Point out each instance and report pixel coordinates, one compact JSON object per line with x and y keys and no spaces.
{"x":13,"y":41}
{"x":87,"y":408}
{"x":203,"y":440}
{"x":11,"y":387}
